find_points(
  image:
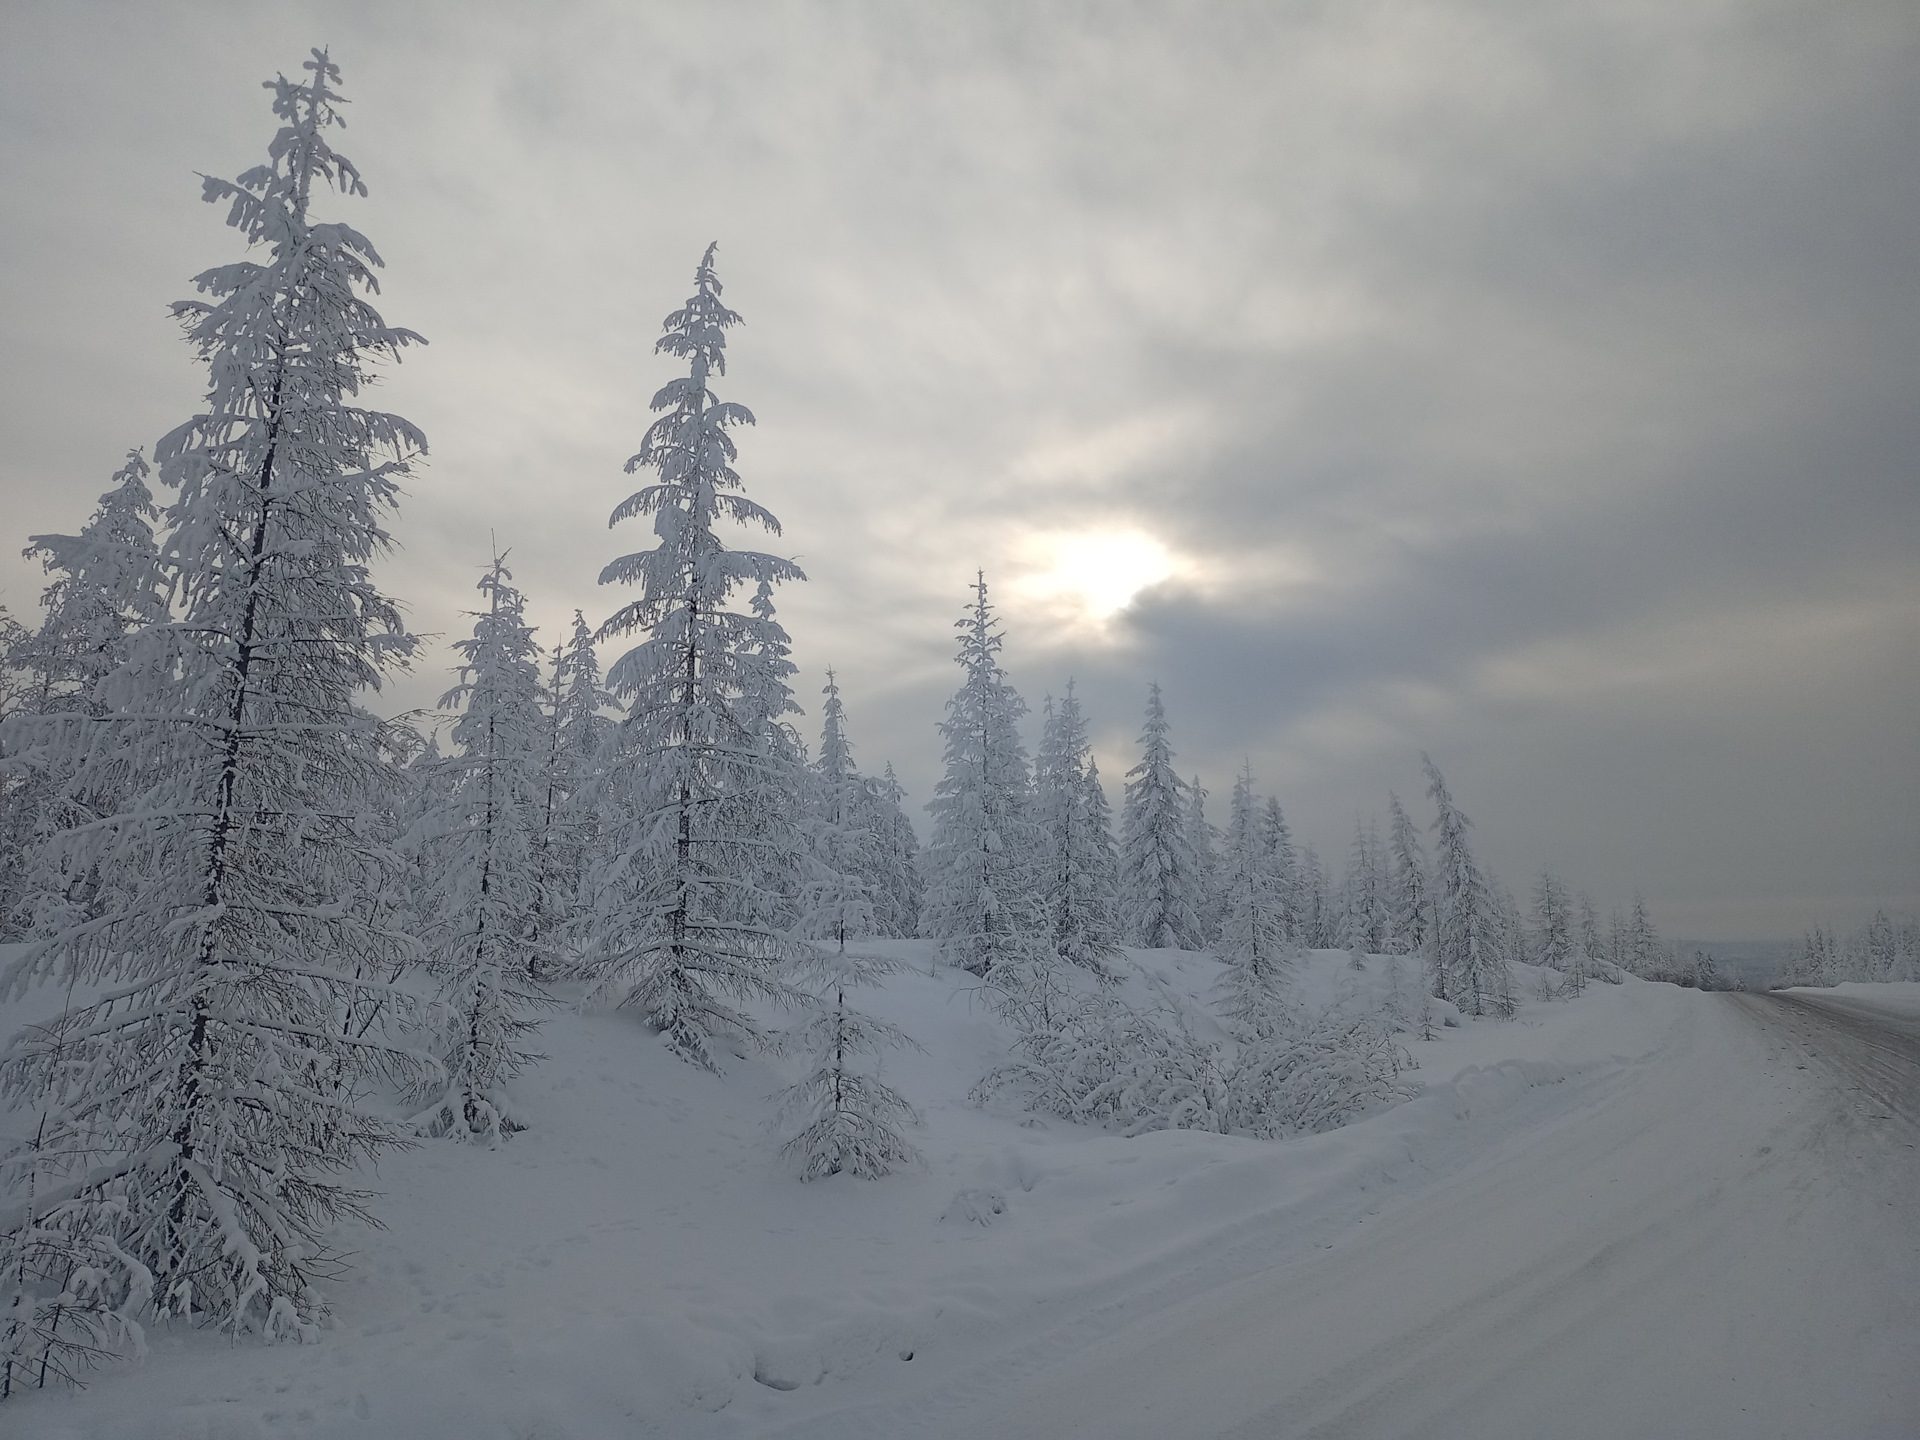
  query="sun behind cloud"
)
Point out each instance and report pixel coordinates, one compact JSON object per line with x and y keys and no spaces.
{"x":1085,"y":578}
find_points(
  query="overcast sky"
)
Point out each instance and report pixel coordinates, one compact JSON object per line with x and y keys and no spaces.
{"x":1537,"y":384}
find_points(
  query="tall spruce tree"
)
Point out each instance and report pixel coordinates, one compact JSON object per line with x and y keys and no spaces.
{"x":1208,"y":881}
{"x":1590,"y":955}
{"x":1464,"y":964}
{"x":1409,"y":903}
{"x":1253,"y":941}
{"x":698,"y":834}
{"x":1276,"y":845}
{"x":580,"y":731}
{"x":582,"y":734}
{"x":1553,"y":943}
{"x":1363,"y":894}
{"x":1316,"y":906}
{"x":852,"y":824}
{"x":1158,"y":873}
{"x":483,"y":872}
{"x":983,"y":903}
{"x":1640,"y":943}
{"x":199,"y":1117}
{"x":1078,"y":871}
{"x":897,"y":906}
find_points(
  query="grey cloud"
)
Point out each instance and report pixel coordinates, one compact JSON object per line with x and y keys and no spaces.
{"x":1504,"y":357}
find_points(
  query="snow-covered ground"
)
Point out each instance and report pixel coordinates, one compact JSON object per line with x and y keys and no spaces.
{"x":1645,"y":1211}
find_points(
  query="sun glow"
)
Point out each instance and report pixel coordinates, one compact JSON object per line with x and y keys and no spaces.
{"x":1094,"y":576}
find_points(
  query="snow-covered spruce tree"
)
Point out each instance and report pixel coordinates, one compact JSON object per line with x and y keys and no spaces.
{"x":698,"y":830}
{"x":1078,"y":867}
{"x":835,"y":821}
{"x":1409,"y":905}
{"x":1552,"y":924}
{"x":1590,"y":951}
{"x":848,"y":1121}
{"x":424,"y":782}
{"x":1876,"y":948}
{"x":1157,"y":870}
{"x":198,"y":1116}
{"x":1253,"y":942}
{"x":13,"y":676}
{"x":1616,"y":940}
{"x":1276,"y":845}
{"x":482,"y":872}
{"x":983,"y":904}
{"x":1464,"y":964}
{"x":1316,"y":907}
{"x":108,"y":584}
{"x":1363,"y":895}
{"x":882,"y":849}
{"x":1508,"y":933}
{"x":897,"y":905}
{"x":1641,"y":944}
{"x":17,"y":811}
{"x":578,"y":731}
{"x":1208,"y":881}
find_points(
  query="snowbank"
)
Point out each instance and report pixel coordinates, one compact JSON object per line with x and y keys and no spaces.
{"x":638,"y":1261}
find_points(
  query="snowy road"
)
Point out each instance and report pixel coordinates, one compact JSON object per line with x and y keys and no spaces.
{"x":1723,"y":1241}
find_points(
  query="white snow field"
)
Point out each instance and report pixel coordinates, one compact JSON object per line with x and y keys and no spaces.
{"x":1642,"y":1212}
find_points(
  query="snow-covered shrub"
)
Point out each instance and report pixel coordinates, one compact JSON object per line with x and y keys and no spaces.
{"x":1307,"y":1077}
{"x":1106,"y":1064}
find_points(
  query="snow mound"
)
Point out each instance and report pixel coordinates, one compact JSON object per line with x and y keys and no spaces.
{"x":639,"y":1261}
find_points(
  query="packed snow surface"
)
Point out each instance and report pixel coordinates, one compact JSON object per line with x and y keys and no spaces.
{"x":1644,"y":1211}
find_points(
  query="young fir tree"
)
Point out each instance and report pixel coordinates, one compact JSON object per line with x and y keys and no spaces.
{"x":483,"y":873}
{"x":1553,"y":944}
{"x":1464,"y":962}
{"x":199,"y":1117}
{"x":849,"y":1121}
{"x":1589,"y":951}
{"x":579,"y":731}
{"x":851,"y":813}
{"x":836,"y":794}
{"x":1508,"y":941}
{"x":1253,"y":943}
{"x":1316,"y":909}
{"x":1078,"y":868}
{"x":1276,"y":845}
{"x":1409,"y":905}
{"x":983,"y":903}
{"x":698,"y":830}
{"x":1208,"y":880}
{"x":898,"y":902}
{"x":1641,"y":944}
{"x":1158,"y":873}
{"x":1363,"y":898}
{"x":108,"y":584}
